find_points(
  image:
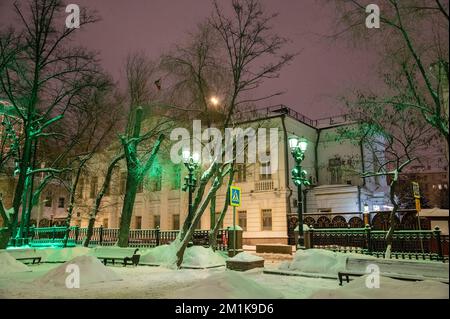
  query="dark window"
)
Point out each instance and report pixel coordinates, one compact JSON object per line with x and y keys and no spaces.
{"x":176,"y":177}
{"x":176,"y":222}
{"x":265,"y":171}
{"x":156,"y":221}
{"x":105,"y":223}
{"x":155,"y":183}
{"x":138,"y":222}
{"x":241,"y":173}
{"x":61,"y":202}
{"x":94,"y":185}
{"x":335,"y":167}
{"x":123,"y":183}
{"x":48,"y":201}
{"x":266,"y":219}
{"x":243,"y":219}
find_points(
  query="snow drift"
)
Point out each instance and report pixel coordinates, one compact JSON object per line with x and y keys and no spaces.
{"x":91,"y":271}
{"x":246,"y":257}
{"x":227,"y":285}
{"x":389,"y":289}
{"x":9,"y":264}
{"x":56,"y":255}
{"x":194,"y":257}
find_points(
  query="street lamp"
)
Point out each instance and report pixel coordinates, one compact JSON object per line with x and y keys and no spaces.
{"x":214,"y":100}
{"x":190,"y":182}
{"x":298,"y":148}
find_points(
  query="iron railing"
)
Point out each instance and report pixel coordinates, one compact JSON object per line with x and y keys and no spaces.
{"x":406,"y":244}
{"x":42,"y":236}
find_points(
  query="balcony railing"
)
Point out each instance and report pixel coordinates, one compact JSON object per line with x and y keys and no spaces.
{"x":263,"y":186}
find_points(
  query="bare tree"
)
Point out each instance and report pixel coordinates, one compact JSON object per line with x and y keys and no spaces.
{"x":397,"y":138}
{"x":140,"y":71}
{"x":413,"y":38}
{"x":246,"y":39}
{"x":41,"y":79}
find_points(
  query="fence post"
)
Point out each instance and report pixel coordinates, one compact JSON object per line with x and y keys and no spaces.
{"x":77,"y":233}
{"x":101,"y":235}
{"x":53,"y":233}
{"x":437,"y":236}
{"x":311,"y":237}
{"x":158,"y":236}
{"x":368,"y":239}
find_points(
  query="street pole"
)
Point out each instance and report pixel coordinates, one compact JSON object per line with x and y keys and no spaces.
{"x":234,"y":230}
{"x":300,"y":213}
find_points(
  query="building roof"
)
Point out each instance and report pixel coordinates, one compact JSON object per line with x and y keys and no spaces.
{"x":277,"y":110}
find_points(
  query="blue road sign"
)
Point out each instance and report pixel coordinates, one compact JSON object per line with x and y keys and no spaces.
{"x":235,"y":196}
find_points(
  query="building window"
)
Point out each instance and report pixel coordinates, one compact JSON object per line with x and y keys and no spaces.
{"x":123,"y":183}
{"x":155,"y":183}
{"x":156,"y":221}
{"x":105,"y":223}
{"x":175,"y":183}
{"x":265,"y":171}
{"x":176,"y":222}
{"x":243,"y":220}
{"x":48,"y":201}
{"x":80,"y":188}
{"x":138,"y":222}
{"x":94,"y":184}
{"x":335,"y":168}
{"x":266,"y":219}
{"x":61,"y":202}
{"x":241,"y":173}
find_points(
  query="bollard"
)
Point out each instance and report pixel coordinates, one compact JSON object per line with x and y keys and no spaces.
{"x":437,"y":236}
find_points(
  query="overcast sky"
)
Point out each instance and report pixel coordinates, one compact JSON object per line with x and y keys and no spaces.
{"x":322,"y":72}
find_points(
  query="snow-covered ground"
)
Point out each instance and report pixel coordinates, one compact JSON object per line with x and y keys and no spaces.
{"x":98,"y":281}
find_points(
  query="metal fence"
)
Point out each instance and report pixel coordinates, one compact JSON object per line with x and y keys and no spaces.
{"x":407,"y":244}
{"x":47,"y":236}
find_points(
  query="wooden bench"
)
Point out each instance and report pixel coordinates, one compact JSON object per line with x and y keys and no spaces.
{"x":274,"y":249}
{"x":127,"y":256}
{"x":26,"y":256}
{"x":396,"y":269}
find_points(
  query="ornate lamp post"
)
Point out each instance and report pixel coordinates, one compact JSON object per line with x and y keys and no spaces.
{"x":298,"y":148}
{"x":190,"y":182}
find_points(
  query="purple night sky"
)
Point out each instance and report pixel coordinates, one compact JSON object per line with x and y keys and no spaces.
{"x":324,"y":70}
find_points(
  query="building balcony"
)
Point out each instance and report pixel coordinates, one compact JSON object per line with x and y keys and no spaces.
{"x":264,"y":186}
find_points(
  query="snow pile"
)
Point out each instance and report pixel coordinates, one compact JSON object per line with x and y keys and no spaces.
{"x":246,"y":257}
{"x":227,"y":285}
{"x":316,"y":261}
{"x":55,"y":255}
{"x":201,"y":257}
{"x":9,"y":264}
{"x":91,"y":271}
{"x":161,"y":256}
{"x":194,"y":257}
{"x":389,"y":289}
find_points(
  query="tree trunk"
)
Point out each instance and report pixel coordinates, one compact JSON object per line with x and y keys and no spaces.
{"x":390,"y":233}
{"x":72,"y":202}
{"x":98,"y":199}
{"x":89,"y":232}
{"x":197,"y":216}
{"x":128,"y":205}
{"x":213,"y":233}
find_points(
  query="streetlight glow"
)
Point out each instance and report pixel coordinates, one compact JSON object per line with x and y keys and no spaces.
{"x":186,"y":155}
{"x":293,"y":142}
{"x":214,"y":100}
{"x":303,"y":144}
{"x":196,"y":157}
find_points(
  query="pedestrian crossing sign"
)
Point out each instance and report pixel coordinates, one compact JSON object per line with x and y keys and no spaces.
{"x":235,"y":196}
